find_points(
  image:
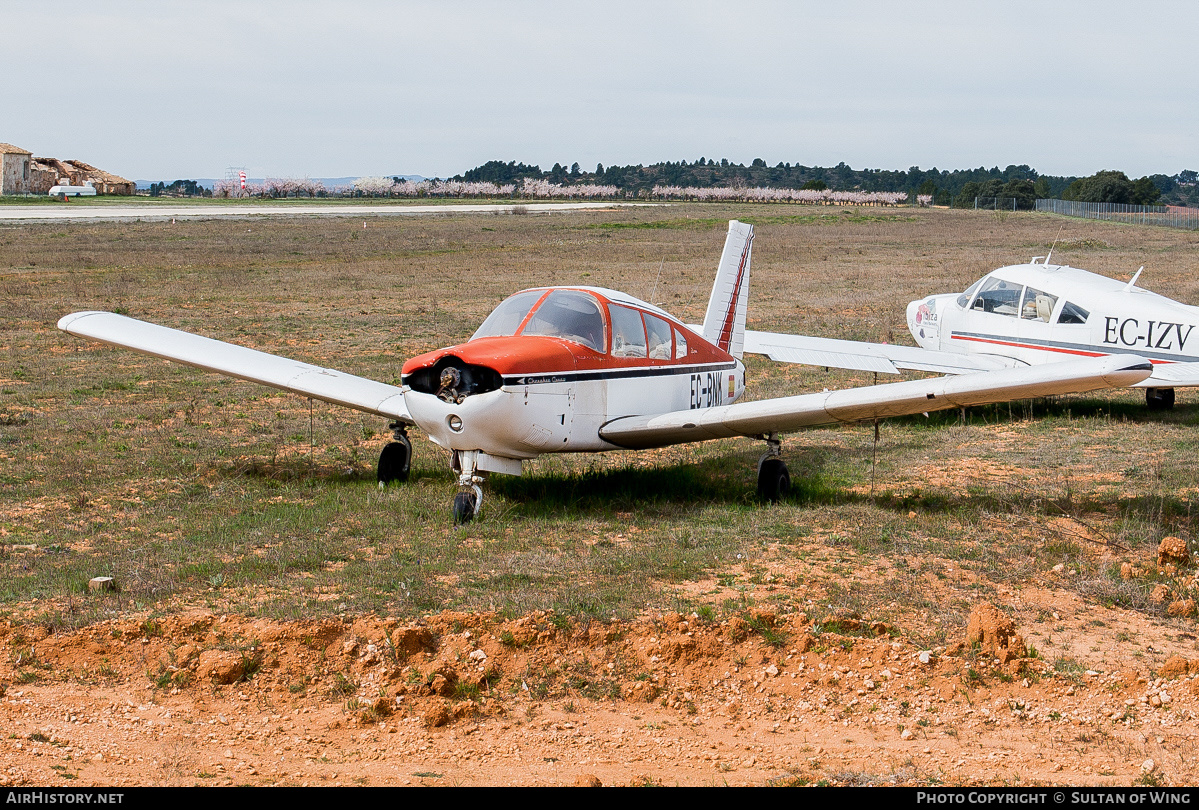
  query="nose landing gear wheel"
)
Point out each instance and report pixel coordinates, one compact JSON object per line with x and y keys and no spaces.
{"x":466,"y":505}
{"x":774,"y":481}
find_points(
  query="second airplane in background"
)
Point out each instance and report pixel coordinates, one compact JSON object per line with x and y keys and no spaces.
{"x":1023,"y":315}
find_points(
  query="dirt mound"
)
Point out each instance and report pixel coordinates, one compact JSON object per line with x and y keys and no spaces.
{"x":460,"y":698}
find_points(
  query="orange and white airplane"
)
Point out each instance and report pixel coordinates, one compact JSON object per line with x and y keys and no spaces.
{"x":587,"y":369}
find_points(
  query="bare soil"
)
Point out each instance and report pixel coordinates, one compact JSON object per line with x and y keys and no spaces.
{"x":474,"y":699}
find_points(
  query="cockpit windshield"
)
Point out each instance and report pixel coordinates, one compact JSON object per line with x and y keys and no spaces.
{"x":571,"y":315}
{"x":505,"y":319}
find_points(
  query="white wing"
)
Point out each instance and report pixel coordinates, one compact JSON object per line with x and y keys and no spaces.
{"x":787,"y":414}
{"x":307,"y":380}
{"x":885,"y":358}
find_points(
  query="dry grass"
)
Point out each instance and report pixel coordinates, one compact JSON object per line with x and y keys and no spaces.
{"x":192,"y":488}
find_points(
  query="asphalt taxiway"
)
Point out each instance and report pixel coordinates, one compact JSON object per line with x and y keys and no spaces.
{"x":66,"y":212}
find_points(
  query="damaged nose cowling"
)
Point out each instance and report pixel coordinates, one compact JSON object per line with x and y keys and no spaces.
{"x":492,"y":395}
{"x":452,"y":380}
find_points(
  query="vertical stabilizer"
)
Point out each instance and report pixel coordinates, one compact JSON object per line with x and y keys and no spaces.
{"x":724,"y":324}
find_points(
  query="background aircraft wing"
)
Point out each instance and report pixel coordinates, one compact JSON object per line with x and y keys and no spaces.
{"x":307,"y":380}
{"x":787,"y":414}
{"x":885,"y":358}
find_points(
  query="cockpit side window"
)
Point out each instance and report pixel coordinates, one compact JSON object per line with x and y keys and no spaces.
{"x":628,"y":332}
{"x":964,"y":298}
{"x":1073,"y":313}
{"x":570,"y":315}
{"x":998,"y":296}
{"x":1038,"y":305}
{"x":505,"y":319}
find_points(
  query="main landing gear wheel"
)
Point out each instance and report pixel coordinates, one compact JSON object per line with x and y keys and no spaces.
{"x":1159,"y":399}
{"x":467,"y":504}
{"x":395,"y":462}
{"x":774,"y":481}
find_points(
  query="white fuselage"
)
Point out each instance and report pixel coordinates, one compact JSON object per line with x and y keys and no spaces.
{"x":562,"y":413}
{"x":1032,"y":314}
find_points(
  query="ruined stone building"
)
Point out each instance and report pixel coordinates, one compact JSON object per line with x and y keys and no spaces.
{"x":14,"y":169}
{"x":22,"y":173}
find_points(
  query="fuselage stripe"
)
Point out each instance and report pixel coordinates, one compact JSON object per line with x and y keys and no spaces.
{"x":543,"y":377}
{"x":1065,"y":348}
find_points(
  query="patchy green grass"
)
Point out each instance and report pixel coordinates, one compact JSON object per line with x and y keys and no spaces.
{"x":189,"y":487}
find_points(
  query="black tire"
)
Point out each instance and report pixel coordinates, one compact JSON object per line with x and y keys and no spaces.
{"x":395,"y":461}
{"x":774,"y":482}
{"x":1159,"y":399}
{"x":464,"y":508}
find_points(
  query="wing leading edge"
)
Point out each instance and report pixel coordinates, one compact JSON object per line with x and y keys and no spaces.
{"x":307,"y":380}
{"x":787,"y":414}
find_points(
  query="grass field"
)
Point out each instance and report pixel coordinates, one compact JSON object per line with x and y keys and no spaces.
{"x":192,"y":489}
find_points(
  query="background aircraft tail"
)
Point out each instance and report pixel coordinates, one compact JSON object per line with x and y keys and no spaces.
{"x":724,"y":323}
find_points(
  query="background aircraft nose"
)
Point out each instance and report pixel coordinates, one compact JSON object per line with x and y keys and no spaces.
{"x":913,"y":307}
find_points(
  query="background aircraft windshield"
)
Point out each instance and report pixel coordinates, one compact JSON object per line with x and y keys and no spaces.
{"x":570,"y":315}
{"x":999,"y":296}
{"x":964,"y":298}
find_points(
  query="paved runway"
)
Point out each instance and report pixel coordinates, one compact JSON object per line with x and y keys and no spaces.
{"x":64,"y":212}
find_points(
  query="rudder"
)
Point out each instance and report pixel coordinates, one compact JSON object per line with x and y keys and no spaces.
{"x":724,"y":323}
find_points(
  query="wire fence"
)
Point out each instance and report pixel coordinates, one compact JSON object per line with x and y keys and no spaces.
{"x":1000,"y":204}
{"x":1169,"y":216}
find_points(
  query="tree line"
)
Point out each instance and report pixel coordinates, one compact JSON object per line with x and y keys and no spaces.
{"x":958,"y":187}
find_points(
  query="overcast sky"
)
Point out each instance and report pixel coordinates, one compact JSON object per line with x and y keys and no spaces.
{"x":160,"y":91}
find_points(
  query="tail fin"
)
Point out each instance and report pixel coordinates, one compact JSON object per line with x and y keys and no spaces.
{"x":724,"y":324}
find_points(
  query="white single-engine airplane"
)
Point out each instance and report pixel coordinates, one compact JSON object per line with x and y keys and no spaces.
{"x":1023,"y":315}
{"x":587,"y":369}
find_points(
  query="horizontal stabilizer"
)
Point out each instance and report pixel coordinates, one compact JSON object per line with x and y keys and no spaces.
{"x":788,"y":414}
{"x":1173,"y":375}
{"x":304,"y":379}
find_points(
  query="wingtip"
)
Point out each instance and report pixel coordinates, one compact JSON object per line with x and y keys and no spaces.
{"x":65,"y":322}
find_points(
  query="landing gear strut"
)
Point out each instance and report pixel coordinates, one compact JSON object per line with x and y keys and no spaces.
{"x":469,"y":499}
{"x":774,"y":481}
{"x":396,"y":458}
{"x":1159,"y":399}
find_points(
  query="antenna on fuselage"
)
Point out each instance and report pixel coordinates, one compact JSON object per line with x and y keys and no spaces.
{"x":1128,"y":287}
{"x":659,"y":278}
{"x":1051,"y":247}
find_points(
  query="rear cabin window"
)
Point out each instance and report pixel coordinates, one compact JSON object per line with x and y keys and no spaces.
{"x":1073,"y":313}
{"x":628,"y":332}
{"x":1038,"y":305}
{"x":680,"y":345}
{"x":999,"y":296}
{"x":570,"y":315}
{"x":659,"y":337}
